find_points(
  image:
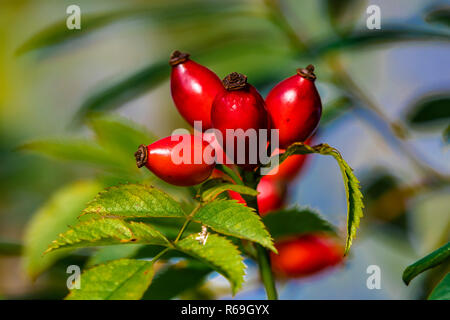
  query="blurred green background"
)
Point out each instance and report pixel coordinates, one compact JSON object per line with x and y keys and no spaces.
{"x":386,"y":96}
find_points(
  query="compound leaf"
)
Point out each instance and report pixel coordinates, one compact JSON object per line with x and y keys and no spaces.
{"x":124,"y":279}
{"x":134,"y":201}
{"x":235,"y":219}
{"x":430,"y":261}
{"x":220,"y":254}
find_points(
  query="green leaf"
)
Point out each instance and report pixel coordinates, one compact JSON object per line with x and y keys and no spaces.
{"x":131,"y":87}
{"x":124,"y":279}
{"x":57,"y":34}
{"x":220,"y":254}
{"x":442,"y":290}
{"x":160,"y":14}
{"x":120,"y":134}
{"x":51,"y":219}
{"x":176,"y":279}
{"x":355,"y":203}
{"x":388,"y":34}
{"x":290,"y":222}
{"x":107,"y":231}
{"x":75,"y":150}
{"x":430,"y":261}
{"x":134,"y":201}
{"x":234,"y":219}
{"x":439,"y":16}
{"x":109,"y":253}
{"x":429,"y":110}
{"x":212,"y":192}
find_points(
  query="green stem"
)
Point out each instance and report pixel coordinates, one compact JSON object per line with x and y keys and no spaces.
{"x":180,"y":233}
{"x":159,"y":255}
{"x":265,"y":271}
{"x":263,"y":259}
{"x":186,"y":223}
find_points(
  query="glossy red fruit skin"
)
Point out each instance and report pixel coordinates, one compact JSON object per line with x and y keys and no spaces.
{"x":270,"y":198}
{"x":193,"y":89}
{"x":295,"y":108}
{"x":290,"y":168}
{"x":157,"y":157}
{"x":221,"y":156}
{"x":241,"y":108}
{"x":306,"y":255}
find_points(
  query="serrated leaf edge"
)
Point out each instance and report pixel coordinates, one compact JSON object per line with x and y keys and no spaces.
{"x":108,"y":189}
{"x":55,"y":244}
{"x":235,"y":287}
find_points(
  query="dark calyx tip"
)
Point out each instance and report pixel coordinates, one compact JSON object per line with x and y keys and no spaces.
{"x":235,"y":81}
{"x":141,"y":156}
{"x":178,"y":57}
{"x":307,"y":73}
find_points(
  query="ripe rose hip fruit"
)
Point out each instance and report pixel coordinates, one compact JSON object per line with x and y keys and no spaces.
{"x":290,"y":167}
{"x":239,"y":107}
{"x":193,"y":88}
{"x":306,"y":255}
{"x":294,"y":107}
{"x":270,"y":197}
{"x":159,"y":159}
{"x":221,"y":156}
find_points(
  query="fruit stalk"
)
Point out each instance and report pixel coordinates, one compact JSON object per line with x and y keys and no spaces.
{"x":265,"y":269}
{"x":265,"y":272}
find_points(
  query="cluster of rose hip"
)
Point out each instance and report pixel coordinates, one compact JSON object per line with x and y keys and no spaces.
{"x":293,"y":107}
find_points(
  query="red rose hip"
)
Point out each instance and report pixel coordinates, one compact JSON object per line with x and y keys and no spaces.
{"x":270,"y":198}
{"x":306,"y":255}
{"x":183,"y":160}
{"x":294,"y":107}
{"x":240,"y":107}
{"x":193,"y":89}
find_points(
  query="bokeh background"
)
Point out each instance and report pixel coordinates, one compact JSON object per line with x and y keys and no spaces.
{"x":386,"y":108}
